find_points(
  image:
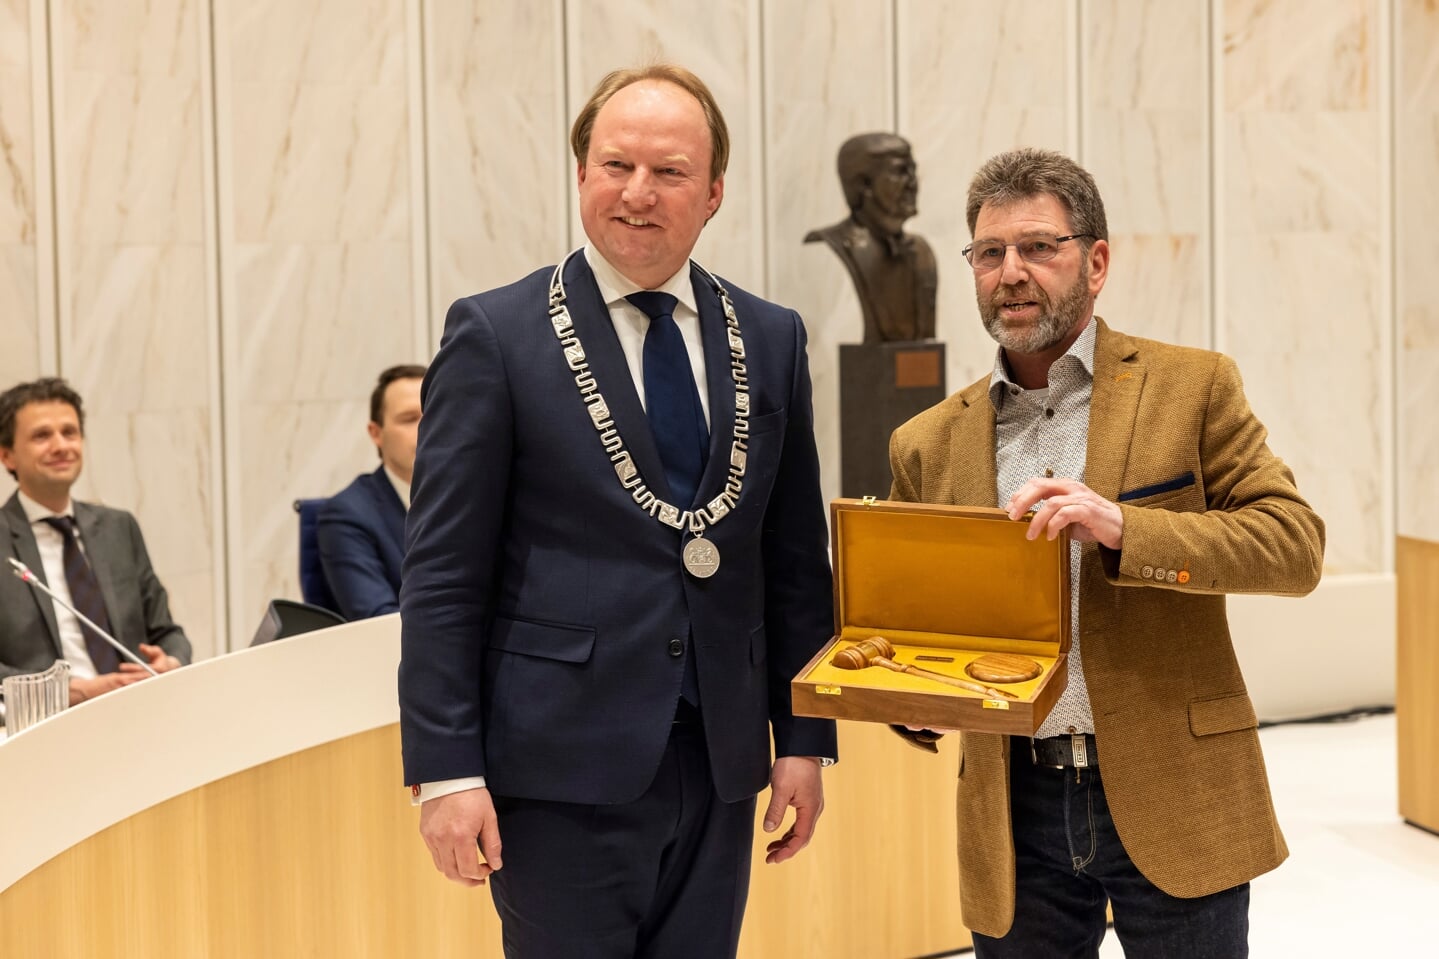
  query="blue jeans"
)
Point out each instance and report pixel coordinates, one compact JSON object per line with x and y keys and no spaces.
{"x":1069,"y":862}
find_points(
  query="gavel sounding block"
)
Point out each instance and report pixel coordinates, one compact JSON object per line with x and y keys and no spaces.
{"x":845,"y":663}
{"x":1003,"y":668}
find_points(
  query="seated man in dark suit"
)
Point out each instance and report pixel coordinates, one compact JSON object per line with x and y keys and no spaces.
{"x":362,"y":528}
{"x":92,"y":556}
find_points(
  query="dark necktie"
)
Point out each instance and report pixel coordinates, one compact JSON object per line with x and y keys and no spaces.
{"x":85,"y":596}
{"x":672,"y":401}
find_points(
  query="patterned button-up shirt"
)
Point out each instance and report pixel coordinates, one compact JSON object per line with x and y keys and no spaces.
{"x":1045,"y":432}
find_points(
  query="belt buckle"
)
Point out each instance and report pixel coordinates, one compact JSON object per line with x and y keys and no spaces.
{"x":1078,"y":748}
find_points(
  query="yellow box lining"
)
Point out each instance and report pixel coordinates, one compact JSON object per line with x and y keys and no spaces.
{"x":903,"y":574}
{"x":908,"y":646}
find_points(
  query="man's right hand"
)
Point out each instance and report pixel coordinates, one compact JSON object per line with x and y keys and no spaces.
{"x":451,"y":825}
{"x":83,"y":689}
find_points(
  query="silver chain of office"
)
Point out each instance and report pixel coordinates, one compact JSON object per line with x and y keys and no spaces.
{"x":700,"y":556}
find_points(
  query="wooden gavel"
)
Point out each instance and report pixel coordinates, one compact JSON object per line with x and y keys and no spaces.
{"x":878,"y":651}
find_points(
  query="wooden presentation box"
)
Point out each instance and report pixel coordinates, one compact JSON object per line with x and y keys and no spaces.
{"x":944,"y":585}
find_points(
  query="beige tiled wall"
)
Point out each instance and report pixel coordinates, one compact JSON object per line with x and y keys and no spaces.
{"x":829,"y":75}
{"x":22,"y":327}
{"x":976,"y":78}
{"x":254,"y":205}
{"x":1302,"y":279}
{"x":318,"y":215}
{"x":137,"y":331}
{"x":1416,"y":106}
{"x":499,"y":173}
{"x":1144,"y":135}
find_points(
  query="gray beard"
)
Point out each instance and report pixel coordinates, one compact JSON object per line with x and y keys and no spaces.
{"x":1054,"y":324}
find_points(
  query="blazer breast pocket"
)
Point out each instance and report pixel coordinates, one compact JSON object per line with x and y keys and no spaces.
{"x":766,"y":422}
{"x":764,"y":446}
{"x":1182,"y":494}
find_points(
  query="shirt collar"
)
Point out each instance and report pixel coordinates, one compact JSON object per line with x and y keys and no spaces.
{"x":34,"y":512}
{"x":615,"y":286}
{"x":402,"y":489}
{"x":1082,"y":349}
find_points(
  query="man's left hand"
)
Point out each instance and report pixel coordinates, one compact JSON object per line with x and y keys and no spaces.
{"x":1068,"y":504}
{"x":160,"y":661}
{"x":795,"y":782}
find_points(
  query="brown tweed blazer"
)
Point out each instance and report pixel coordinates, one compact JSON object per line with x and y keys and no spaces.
{"x":1175,"y":729}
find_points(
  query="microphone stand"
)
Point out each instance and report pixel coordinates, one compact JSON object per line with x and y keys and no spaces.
{"x":26,"y":576}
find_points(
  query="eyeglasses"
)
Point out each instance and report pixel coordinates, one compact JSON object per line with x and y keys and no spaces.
{"x":989,"y":254}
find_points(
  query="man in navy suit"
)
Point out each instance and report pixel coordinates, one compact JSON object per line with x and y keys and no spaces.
{"x":617,"y":561}
{"x":361,"y":529}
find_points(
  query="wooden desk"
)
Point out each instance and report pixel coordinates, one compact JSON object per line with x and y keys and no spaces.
{"x":250,"y":806}
{"x":1416,"y":694}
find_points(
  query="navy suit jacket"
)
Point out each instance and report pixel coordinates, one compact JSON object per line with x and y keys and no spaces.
{"x":361,"y":532}
{"x":540,"y":603}
{"x":136,"y":602}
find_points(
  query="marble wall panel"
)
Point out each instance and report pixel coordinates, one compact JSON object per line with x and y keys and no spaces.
{"x":1144,"y":135}
{"x":136,"y":331}
{"x":1416,"y":105}
{"x":499,"y":168}
{"x":717,"y":42}
{"x":829,"y":74}
{"x":318,"y":224}
{"x":322,"y":144}
{"x":1302,"y":281}
{"x":1311,"y":356}
{"x":974,"y":80}
{"x":20,"y":322}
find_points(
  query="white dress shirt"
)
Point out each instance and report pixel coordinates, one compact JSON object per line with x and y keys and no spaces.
{"x":402,"y":489}
{"x":631,"y":325}
{"x":51,"y":543}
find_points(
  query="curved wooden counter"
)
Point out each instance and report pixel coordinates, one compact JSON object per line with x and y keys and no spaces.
{"x":1416,"y":701}
{"x":250,"y":805}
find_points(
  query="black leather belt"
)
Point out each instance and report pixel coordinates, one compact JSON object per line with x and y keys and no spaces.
{"x":1065,"y":752}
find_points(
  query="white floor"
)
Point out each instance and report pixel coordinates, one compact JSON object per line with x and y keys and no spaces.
{"x":1359,"y":881}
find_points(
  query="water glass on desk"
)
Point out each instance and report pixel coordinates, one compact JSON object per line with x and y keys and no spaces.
{"x":32,"y":697}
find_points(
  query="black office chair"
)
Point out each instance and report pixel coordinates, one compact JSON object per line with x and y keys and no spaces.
{"x":285,"y":618}
{"x":313,"y":586}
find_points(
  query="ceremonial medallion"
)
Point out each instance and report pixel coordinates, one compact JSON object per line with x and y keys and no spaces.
{"x":701,"y":558}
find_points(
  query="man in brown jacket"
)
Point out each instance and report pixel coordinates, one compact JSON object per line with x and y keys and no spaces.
{"x":1145,"y":787}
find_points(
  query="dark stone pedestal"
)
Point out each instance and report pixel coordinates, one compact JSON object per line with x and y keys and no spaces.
{"x":880,"y":386}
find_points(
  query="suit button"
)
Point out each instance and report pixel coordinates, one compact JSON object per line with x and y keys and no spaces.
{"x":677,"y":647}
{"x":1171,"y":576}
{"x":1159,"y":573}
{"x":1147,"y":572}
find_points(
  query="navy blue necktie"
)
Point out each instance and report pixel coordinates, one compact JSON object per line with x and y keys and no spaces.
{"x":672,"y":401}
{"x":85,"y":596}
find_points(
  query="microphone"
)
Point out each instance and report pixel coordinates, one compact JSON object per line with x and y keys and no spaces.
{"x":24,"y":573}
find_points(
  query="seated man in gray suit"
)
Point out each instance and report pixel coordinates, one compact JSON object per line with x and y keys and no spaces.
{"x":362,"y":528}
{"x":92,"y":556}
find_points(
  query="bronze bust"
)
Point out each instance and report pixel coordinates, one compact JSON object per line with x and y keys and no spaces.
{"x":894,"y":272}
